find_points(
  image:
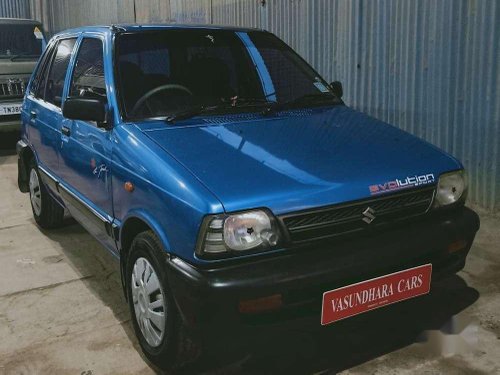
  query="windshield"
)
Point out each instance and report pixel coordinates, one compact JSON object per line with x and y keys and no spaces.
{"x":164,"y":72}
{"x":20,"y":40}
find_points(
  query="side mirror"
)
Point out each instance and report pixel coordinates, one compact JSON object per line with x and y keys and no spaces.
{"x":337,"y":89}
{"x":85,"y":109}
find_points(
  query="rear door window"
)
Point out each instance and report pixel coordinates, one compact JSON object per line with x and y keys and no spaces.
{"x":54,"y":84}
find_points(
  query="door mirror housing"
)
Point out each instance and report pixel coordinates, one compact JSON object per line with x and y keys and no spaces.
{"x":337,"y":89}
{"x":85,"y":109}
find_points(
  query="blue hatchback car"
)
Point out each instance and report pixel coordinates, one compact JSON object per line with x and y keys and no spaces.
{"x":233,"y":184}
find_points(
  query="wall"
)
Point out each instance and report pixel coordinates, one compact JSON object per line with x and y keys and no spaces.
{"x":15,"y":8}
{"x":430,"y":67}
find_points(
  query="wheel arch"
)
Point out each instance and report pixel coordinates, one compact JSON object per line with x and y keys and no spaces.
{"x":134,"y":224}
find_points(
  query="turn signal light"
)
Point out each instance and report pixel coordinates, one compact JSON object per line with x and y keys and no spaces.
{"x":128,"y":186}
{"x":268,"y":303}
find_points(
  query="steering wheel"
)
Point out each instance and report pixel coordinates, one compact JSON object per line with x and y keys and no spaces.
{"x":143,"y":99}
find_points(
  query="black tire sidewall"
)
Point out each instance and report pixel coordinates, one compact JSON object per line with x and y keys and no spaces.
{"x":52,"y":213}
{"x":145,"y":246}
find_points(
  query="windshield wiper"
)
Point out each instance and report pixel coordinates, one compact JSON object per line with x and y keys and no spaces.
{"x":198,"y":110}
{"x":184,"y":114}
{"x":190,"y":112}
{"x":249,"y":102}
{"x":304,"y":99}
{"x":239,"y":102}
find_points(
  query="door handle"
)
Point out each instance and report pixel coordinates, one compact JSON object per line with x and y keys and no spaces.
{"x":66,"y":131}
{"x":33,"y":114}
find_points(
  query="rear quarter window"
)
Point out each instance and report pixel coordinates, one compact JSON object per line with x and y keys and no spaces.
{"x":40,"y":71}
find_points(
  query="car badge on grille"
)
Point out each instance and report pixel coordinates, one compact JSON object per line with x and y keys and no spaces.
{"x":12,"y":85}
{"x":369,"y":215}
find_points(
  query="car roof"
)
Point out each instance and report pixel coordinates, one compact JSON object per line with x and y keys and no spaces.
{"x":18,"y":21}
{"x":146,"y":27}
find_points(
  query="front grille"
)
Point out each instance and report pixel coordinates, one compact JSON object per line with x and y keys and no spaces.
{"x":12,"y":89}
{"x":348,"y":218}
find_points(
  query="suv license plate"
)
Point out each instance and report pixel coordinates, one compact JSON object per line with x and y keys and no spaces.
{"x":10,"y":109}
{"x":371,"y":294}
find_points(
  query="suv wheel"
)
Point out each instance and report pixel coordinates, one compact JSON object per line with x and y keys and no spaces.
{"x":157,"y":324}
{"x":46,"y":211}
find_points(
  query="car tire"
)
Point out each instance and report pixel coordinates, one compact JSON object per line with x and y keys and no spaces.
{"x":173,"y":349}
{"x":48,"y":213}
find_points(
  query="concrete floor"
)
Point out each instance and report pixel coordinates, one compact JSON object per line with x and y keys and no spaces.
{"x":62,"y":312}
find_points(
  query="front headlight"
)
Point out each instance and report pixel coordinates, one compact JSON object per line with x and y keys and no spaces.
{"x":235,"y":233}
{"x":451,"y":188}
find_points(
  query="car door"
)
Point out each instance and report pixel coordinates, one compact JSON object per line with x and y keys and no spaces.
{"x":85,"y":148}
{"x":44,"y":108}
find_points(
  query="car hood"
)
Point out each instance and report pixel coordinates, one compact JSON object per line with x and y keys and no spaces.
{"x":17,"y":67}
{"x":298,"y":160}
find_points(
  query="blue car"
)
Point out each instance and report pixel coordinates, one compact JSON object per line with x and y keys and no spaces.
{"x":233,"y":184}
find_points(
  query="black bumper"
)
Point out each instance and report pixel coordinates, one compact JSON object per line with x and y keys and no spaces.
{"x":208,"y":299}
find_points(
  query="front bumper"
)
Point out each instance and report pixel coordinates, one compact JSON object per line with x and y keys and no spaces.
{"x":208,"y":299}
{"x":10,"y":123}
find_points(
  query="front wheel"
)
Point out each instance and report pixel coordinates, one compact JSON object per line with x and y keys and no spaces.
{"x":157,"y":324}
{"x":46,"y":211}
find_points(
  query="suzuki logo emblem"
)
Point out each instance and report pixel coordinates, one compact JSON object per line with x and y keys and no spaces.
{"x":369,"y":215}
{"x":15,"y":86}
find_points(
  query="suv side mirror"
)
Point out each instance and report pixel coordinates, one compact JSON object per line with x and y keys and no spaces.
{"x":85,"y":109}
{"x":337,"y":89}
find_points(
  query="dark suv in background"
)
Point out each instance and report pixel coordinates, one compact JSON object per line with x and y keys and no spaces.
{"x":21,"y":44}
